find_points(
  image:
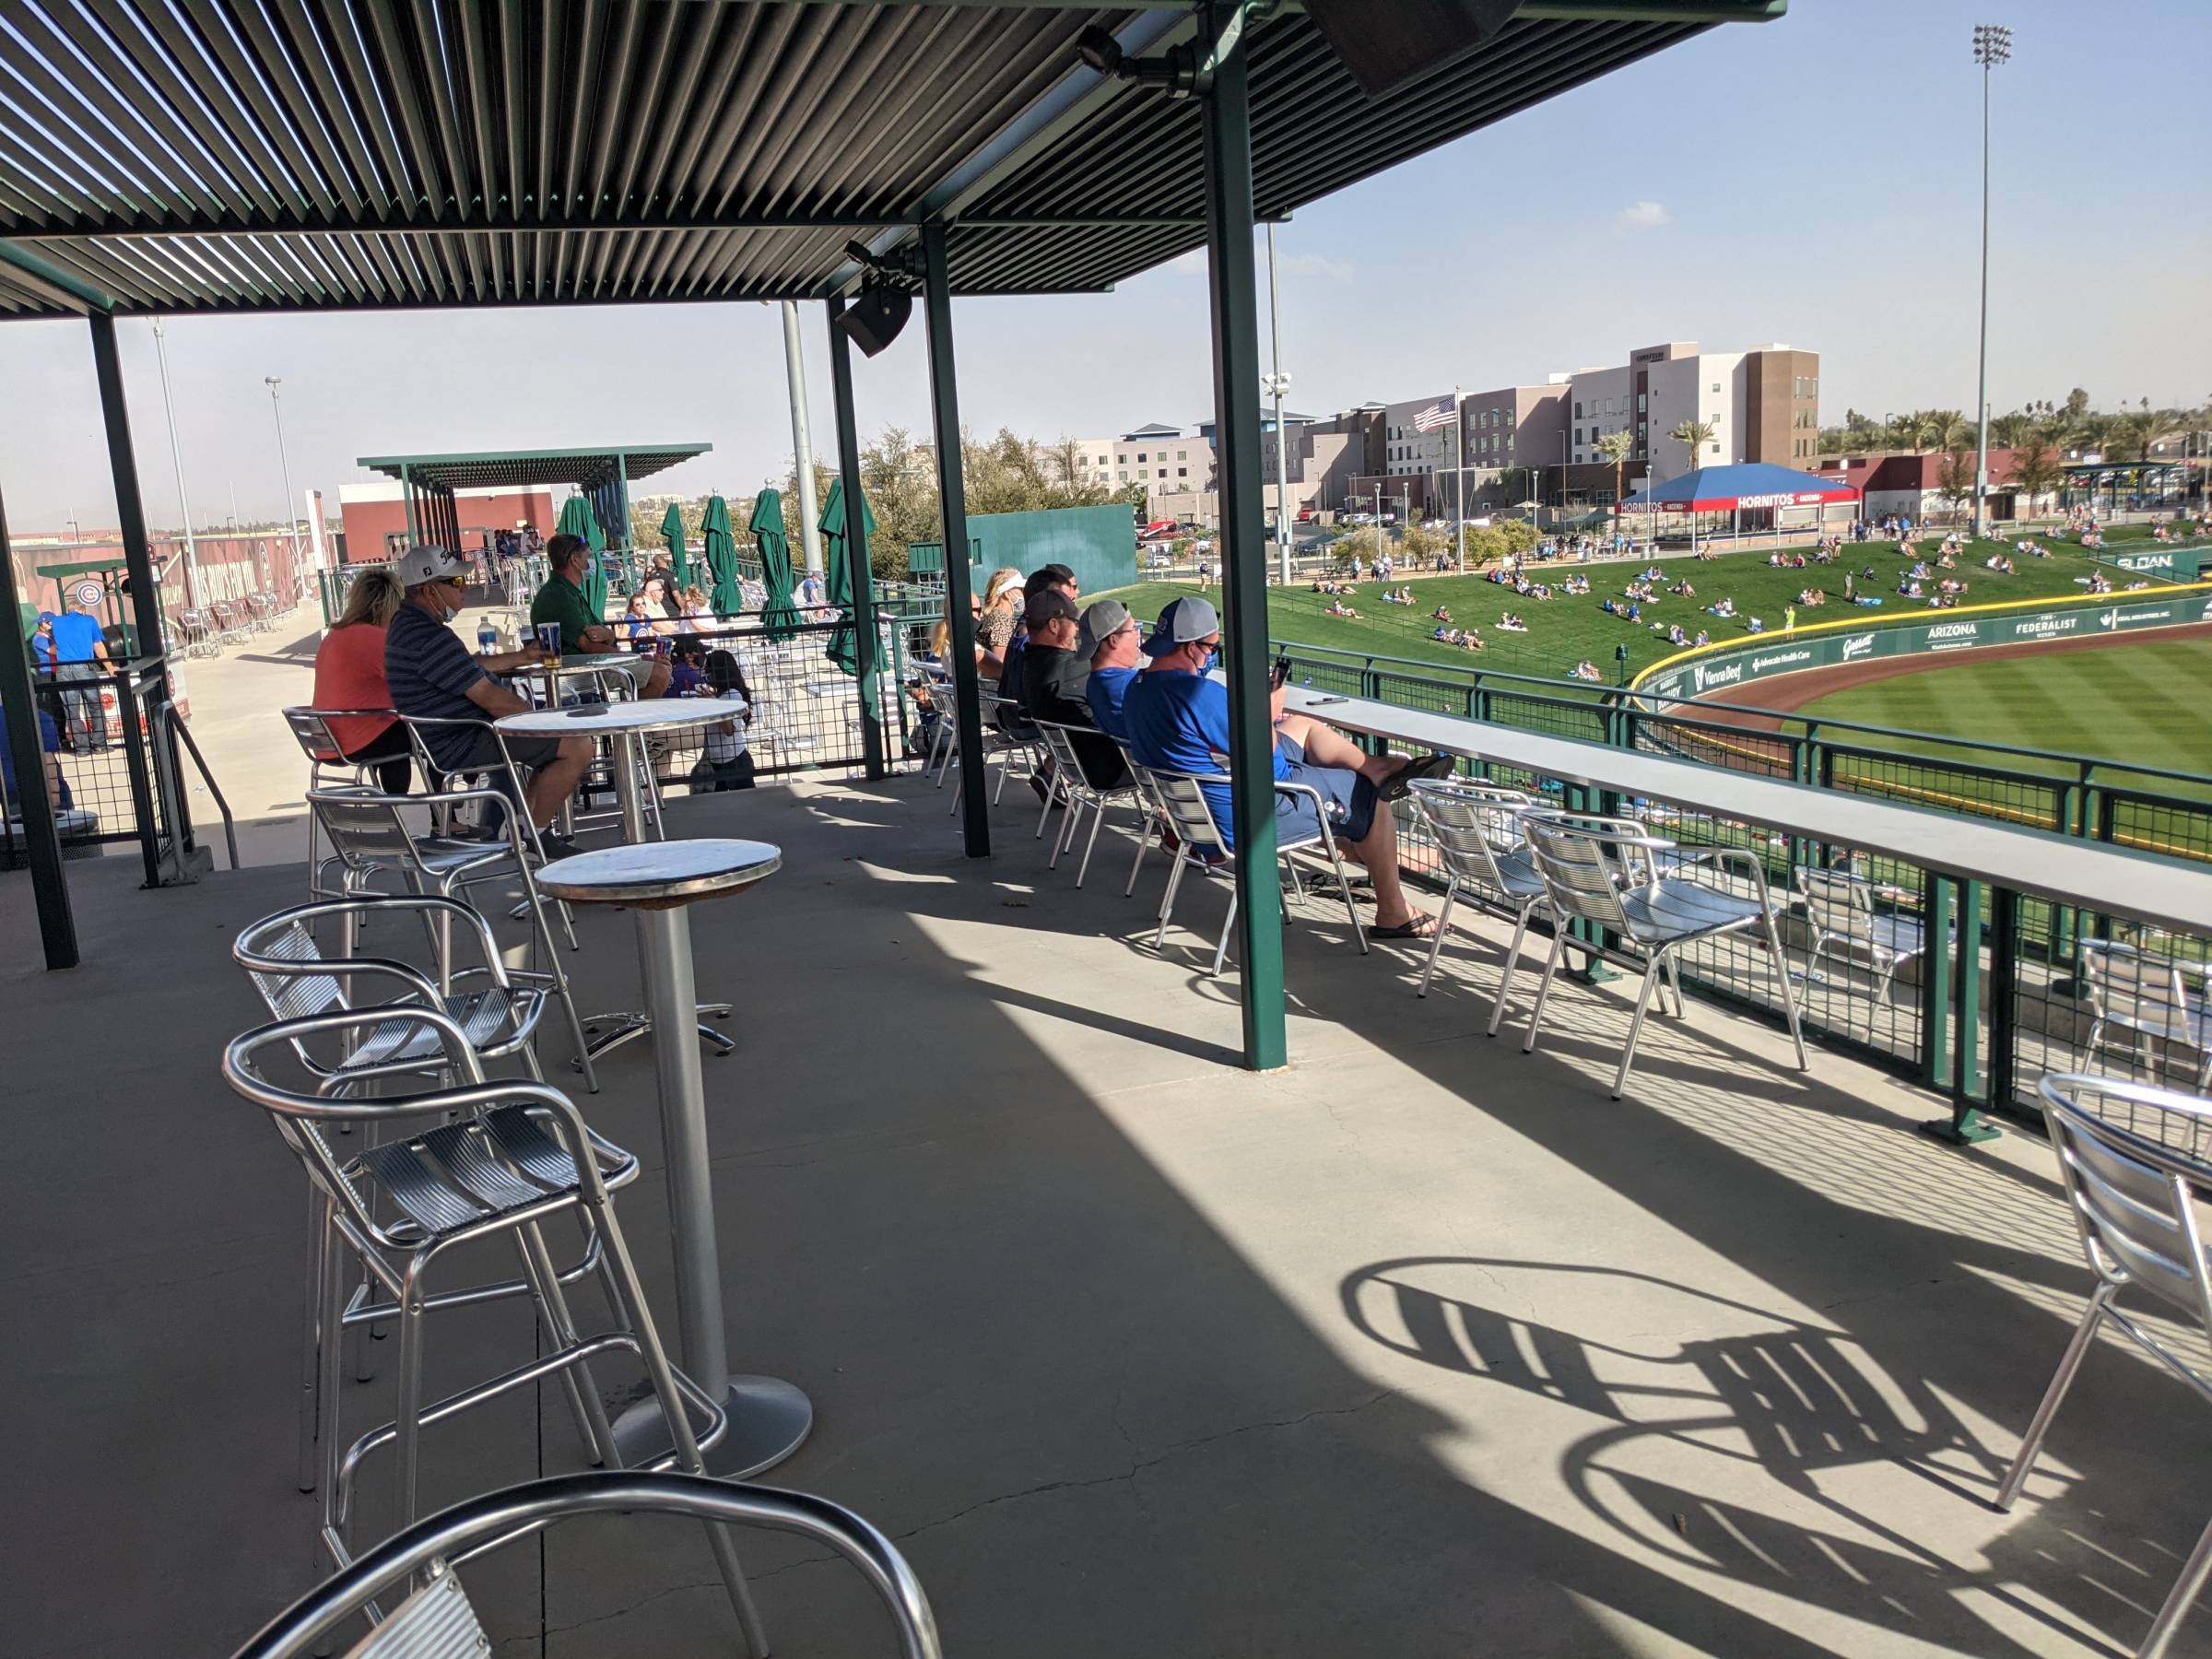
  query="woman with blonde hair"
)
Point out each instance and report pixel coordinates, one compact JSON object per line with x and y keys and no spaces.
{"x":350,"y":675}
{"x":1000,"y":609}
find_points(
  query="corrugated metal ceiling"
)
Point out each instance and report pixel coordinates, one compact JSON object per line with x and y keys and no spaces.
{"x":243,"y":155}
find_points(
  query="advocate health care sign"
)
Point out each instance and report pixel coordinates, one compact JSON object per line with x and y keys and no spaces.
{"x":1765,"y":657}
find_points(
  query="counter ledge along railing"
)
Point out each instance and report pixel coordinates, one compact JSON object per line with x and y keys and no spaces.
{"x":2037,"y":950}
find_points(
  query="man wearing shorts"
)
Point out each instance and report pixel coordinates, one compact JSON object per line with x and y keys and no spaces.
{"x":433,"y":677}
{"x":1178,"y":721}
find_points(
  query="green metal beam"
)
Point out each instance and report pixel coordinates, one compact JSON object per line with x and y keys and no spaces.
{"x":41,"y":834}
{"x":1225,"y":113}
{"x":46,"y":278}
{"x":865,"y":644}
{"x":256,"y":226}
{"x":952,"y":496}
{"x":130,"y":509}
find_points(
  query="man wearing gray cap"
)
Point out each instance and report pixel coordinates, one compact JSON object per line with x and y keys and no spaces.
{"x":1178,"y":719}
{"x":1055,"y":673}
{"x":433,"y":677}
{"x":1110,"y":640}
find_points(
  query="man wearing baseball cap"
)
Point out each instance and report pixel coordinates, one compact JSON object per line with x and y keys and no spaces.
{"x":1053,"y":679}
{"x":1178,"y":719}
{"x":433,"y":677}
{"x":1110,"y":640}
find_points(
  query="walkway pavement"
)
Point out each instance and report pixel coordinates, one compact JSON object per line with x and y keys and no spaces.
{"x":1420,"y":1348}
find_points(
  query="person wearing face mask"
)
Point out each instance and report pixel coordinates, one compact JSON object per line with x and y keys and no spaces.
{"x":1178,"y":721}
{"x":433,"y":677}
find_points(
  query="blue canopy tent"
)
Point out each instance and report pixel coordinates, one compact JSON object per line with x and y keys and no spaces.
{"x":1754,"y":486}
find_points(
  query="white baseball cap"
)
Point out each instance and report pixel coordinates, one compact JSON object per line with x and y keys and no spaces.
{"x":429,"y":562}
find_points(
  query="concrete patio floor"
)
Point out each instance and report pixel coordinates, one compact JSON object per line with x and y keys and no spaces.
{"x":1421,"y":1348}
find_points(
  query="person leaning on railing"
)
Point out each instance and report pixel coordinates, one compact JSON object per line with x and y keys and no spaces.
{"x":561,"y":600}
{"x":1178,"y":719}
{"x":349,"y":674}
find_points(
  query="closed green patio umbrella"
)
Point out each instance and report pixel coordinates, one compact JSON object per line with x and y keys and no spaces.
{"x":778,"y":617}
{"x":671,"y":531}
{"x":843,"y":642}
{"x":719,"y":543}
{"x":577,"y":519}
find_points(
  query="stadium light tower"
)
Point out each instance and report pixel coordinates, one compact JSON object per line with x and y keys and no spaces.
{"x":1993,"y":45}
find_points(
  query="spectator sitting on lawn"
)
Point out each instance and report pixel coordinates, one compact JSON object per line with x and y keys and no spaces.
{"x":1674,"y":636}
{"x":1754,"y":625}
{"x":1682,"y":590}
{"x":1341,"y":609}
{"x":1724,"y":608}
{"x":1510,"y":623}
{"x":1703,"y":638}
{"x":1586,"y":670}
{"x":1442,"y":613}
{"x":1908,"y":589}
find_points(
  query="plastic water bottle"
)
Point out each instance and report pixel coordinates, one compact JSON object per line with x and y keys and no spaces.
{"x":487,"y":637}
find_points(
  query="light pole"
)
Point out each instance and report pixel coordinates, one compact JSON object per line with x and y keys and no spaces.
{"x":285,"y":466}
{"x":1993,"y":45}
{"x":176,"y":459}
{"x":1276,"y":383}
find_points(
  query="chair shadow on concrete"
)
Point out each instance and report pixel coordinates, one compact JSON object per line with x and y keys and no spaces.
{"x":1796,"y":1401}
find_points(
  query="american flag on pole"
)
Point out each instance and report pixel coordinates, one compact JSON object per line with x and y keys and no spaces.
{"x":1437,"y":414}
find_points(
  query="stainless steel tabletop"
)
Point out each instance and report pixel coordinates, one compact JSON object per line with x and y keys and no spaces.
{"x":598,"y":720}
{"x":665,"y":871}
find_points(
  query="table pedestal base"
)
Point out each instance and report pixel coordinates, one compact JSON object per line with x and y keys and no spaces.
{"x":769,"y":1420}
{"x":603,"y":1033}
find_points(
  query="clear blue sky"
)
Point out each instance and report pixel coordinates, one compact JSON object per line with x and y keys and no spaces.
{"x":1814,"y":181}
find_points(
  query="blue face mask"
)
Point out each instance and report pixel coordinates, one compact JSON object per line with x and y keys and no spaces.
{"x":1213,"y":659}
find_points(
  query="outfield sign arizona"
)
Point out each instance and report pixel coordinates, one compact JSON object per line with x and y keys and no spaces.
{"x":1761,"y":658}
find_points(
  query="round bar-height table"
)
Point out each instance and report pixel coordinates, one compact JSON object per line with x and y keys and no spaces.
{"x":658,"y":881}
{"x":623,"y":727}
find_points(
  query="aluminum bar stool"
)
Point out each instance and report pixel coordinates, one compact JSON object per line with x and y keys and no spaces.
{"x":1607,"y":872}
{"x":1183,"y":799}
{"x":2133,"y":1159}
{"x":503,"y":1159}
{"x":438,"y":1621}
{"x":371,"y":838}
{"x":1479,"y":835}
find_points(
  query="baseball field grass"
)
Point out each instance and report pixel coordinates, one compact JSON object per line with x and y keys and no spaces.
{"x":1564,"y":629}
{"x":2141,"y":703}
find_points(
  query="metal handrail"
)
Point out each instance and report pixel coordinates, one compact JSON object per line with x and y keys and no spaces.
{"x":166,"y":712}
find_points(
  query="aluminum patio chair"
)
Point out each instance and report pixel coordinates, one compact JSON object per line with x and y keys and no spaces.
{"x":998,"y":743}
{"x":369,"y":836}
{"x":1656,"y":896}
{"x":478,"y":1162}
{"x":439,"y":1622}
{"x":2145,"y":995}
{"x":2138,"y":1181}
{"x":1841,"y":912}
{"x":1154,"y":809}
{"x":198,"y":632}
{"x":1478,"y":837}
{"x":327,"y":767}
{"x":1202,"y":848}
{"x":1077,"y":794}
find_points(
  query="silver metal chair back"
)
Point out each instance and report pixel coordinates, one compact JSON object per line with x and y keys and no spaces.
{"x":2147,"y":994}
{"x":1071,"y":786}
{"x":2137,"y":1179}
{"x":1840,"y":909}
{"x":1479,"y":840}
{"x":310,"y":729}
{"x":1582,"y":861}
{"x":438,"y":1622}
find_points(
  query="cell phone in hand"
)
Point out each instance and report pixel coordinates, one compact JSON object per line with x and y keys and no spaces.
{"x":1281,"y":676}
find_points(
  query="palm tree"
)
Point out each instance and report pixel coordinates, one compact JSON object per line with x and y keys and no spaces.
{"x":1944,"y":428}
{"x":1617,"y":447}
{"x":1696,"y":434}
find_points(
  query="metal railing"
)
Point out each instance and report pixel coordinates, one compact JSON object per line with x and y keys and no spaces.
{"x":112,"y":746}
{"x":2001,"y":990}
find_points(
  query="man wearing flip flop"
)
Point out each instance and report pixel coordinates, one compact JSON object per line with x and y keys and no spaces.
{"x":1178,"y":721}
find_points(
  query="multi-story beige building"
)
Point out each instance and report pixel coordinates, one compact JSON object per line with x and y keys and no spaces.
{"x":1164,"y":459}
{"x":1762,"y":405}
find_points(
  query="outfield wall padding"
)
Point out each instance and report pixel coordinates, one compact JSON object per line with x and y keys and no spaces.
{"x":1763,"y":657}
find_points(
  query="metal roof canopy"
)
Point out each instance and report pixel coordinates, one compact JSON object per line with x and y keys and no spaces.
{"x":588,"y":469}
{"x":237,"y":156}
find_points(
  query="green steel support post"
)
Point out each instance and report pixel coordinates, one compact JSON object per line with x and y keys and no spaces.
{"x":42,"y":835}
{"x":1936,"y":914}
{"x":407,"y":498}
{"x":865,"y":645}
{"x":146,"y":635}
{"x":622,"y":504}
{"x":1955,"y":989}
{"x":952,"y":496}
{"x":1233,"y":281}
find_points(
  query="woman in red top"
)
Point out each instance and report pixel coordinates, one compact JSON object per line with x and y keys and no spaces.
{"x":349,"y":674}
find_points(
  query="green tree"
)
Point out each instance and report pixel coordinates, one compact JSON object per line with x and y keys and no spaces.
{"x":2036,"y":472}
{"x":2077,"y":404}
{"x":1955,"y":479}
{"x":1696,"y":434}
{"x":1421,"y":544}
{"x":1617,"y":447}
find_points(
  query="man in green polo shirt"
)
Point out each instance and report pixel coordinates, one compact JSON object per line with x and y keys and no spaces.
{"x":561,"y":600}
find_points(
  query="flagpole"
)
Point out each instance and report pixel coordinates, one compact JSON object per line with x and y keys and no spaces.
{"x":1459,"y":475}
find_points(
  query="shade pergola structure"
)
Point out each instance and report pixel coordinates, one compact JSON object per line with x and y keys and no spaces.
{"x":603,"y":475}
{"x":232,"y":157}
{"x":1747,"y":487}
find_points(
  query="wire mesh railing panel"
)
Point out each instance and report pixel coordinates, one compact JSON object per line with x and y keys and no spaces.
{"x":2170,"y":826}
{"x":2029,"y":799}
{"x":1585,"y":719}
{"x":1716,"y":743}
{"x":95,"y":761}
{"x":2126,"y":1001}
